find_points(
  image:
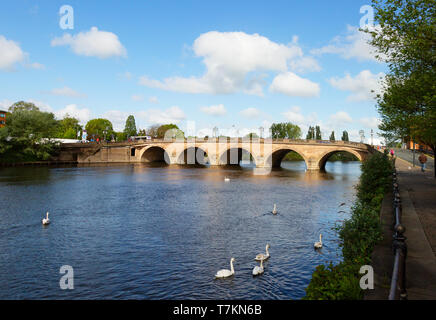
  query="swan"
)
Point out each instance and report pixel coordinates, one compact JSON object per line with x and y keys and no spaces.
{"x":318,"y":245}
{"x":261,"y":256}
{"x":46,"y":220}
{"x":224,"y":273}
{"x":258,"y":269}
{"x":274,"y":209}
{"x":226,"y":179}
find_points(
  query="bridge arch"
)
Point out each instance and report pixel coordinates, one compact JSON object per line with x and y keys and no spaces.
{"x":193,"y":156}
{"x":234,"y":156}
{"x":154,"y":154}
{"x":276,"y":157}
{"x":324,"y":158}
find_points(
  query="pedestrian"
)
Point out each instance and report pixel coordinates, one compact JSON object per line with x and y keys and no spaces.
{"x":392,"y":153}
{"x":422,"y":159}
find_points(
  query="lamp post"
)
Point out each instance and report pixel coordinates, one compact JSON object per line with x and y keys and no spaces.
{"x":261,"y":132}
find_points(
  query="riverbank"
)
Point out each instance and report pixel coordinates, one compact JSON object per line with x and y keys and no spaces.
{"x":36,"y":163}
{"x":357,"y":236}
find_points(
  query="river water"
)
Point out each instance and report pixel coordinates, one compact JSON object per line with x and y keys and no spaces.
{"x":158,"y":232}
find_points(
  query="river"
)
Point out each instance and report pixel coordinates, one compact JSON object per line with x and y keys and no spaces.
{"x":159,"y":232}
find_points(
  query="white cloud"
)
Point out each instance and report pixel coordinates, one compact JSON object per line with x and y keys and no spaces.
{"x":36,"y":65}
{"x":294,"y":115}
{"x":82,"y":114}
{"x":354,"y":44}
{"x":117,"y":118}
{"x":340,"y":118}
{"x":292,"y":85}
{"x":153,"y":100}
{"x":10,"y":54}
{"x":216,"y":110}
{"x":126,"y":75}
{"x":156,"y":116}
{"x":250,"y":113}
{"x":66,"y":92}
{"x":5,"y":104}
{"x":370,"y":122}
{"x":360,"y":86}
{"x":41,"y":105}
{"x":233,"y":62}
{"x":93,"y":43}
{"x":137,"y":97}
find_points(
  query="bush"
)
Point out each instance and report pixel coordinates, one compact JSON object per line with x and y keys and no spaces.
{"x":358,"y":235}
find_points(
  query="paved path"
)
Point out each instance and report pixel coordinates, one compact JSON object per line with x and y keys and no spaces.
{"x":408,"y":156}
{"x":418,"y":195}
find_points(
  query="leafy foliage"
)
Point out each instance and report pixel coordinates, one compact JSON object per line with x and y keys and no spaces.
{"x":130,"y":128}
{"x":345,"y":136}
{"x":358,"y":235}
{"x":97,"y":127}
{"x":285,"y":130}
{"x":405,"y":40}
{"x":26,"y":136}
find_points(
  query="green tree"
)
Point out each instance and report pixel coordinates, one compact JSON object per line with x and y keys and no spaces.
{"x":97,"y":127}
{"x":285,"y":130}
{"x":310,"y":133}
{"x":27,"y":134}
{"x":332,"y":136}
{"x":169,"y":131}
{"x":68,"y":128}
{"x":345,"y":136}
{"x":405,"y":40}
{"x":152,"y":131}
{"x":130,"y":128}
{"x":318,"y":133}
{"x":252,"y":135}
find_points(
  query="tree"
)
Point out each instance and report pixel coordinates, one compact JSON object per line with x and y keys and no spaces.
{"x":152,"y":131}
{"x":27,"y":134}
{"x":345,"y":136}
{"x":332,"y":136}
{"x":310,"y":133}
{"x":169,"y":131}
{"x":130,"y":128}
{"x":252,"y":135}
{"x":68,"y":128}
{"x":318,"y":133}
{"x":285,"y":130}
{"x":405,"y":39}
{"x":98,"y":128}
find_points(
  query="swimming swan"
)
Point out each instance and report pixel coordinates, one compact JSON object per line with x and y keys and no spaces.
{"x":274,"y":209}
{"x":226,"y":179}
{"x":261,"y":256}
{"x":224,"y":273}
{"x":258,"y":269}
{"x":318,"y":245}
{"x":46,"y":220}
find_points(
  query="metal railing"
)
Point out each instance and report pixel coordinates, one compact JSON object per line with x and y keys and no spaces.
{"x":398,"y":281}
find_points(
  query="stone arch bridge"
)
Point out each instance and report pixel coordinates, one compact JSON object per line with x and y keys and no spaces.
{"x":264,"y":153}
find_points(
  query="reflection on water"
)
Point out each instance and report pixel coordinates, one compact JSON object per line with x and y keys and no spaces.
{"x":162,"y":232}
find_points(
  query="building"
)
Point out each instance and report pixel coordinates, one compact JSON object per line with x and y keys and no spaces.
{"x":2,"y":118}
{"x":420,"y":147}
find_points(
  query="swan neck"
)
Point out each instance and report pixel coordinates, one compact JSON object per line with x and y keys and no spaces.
{"x":231,"y":266}
{"x":267,"y":253}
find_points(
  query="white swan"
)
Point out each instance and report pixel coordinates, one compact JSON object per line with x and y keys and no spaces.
{"x":261,"y":256}
{"x":258,"y":269}
{"x":274,"y":209}
{"x":318,"y":245}
{"x":46,"y":220}
{"x":224,"y":273}
{"x":226,"y":179}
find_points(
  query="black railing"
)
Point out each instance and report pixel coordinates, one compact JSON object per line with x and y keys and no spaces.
{"x":398,"y":282}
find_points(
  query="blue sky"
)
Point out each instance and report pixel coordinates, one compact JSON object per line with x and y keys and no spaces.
{"x":223,"y":63}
